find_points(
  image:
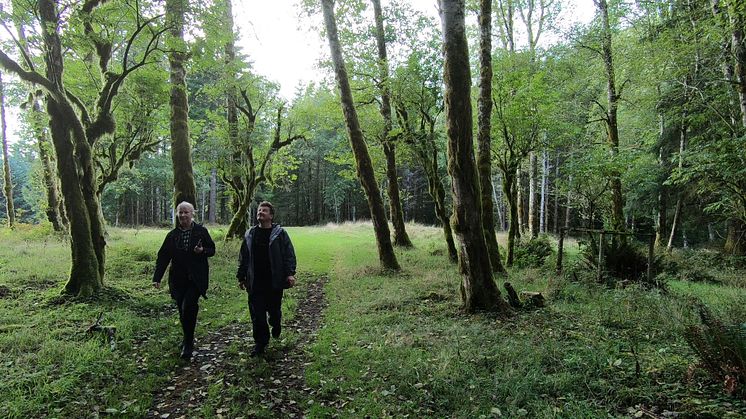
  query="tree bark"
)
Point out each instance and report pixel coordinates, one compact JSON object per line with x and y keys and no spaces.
{"x":612,"y":127}
{"x":55,"y":207}
{"x":543,"y":192}
{"x":181,"y":150}
{"x":532,"y":204}
{"x":213,"y":200}
{"x":7,"y":179}
{"x":478,"y":288}
{"x":401,"y":238}
{"x":737,"y":18}
{"x":679,"y":200}
{"x":364,"y":165}
{"x":520,"y":201}
{"x":438,"y":193}
{"x":510,"y":188}
{"x":735,"y":238}
{"x":484,"y":138}
{"x":660,"y":224}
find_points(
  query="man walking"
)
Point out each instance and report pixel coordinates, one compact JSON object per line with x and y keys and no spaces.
{"x":186,"y":248}
{"x":266,"y":266}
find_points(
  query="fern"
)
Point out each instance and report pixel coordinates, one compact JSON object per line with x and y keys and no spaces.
{"x":721,"y":349}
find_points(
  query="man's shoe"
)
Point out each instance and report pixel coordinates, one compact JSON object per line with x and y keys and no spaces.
{"x":257,"y":351}
{"x":276,"y":331}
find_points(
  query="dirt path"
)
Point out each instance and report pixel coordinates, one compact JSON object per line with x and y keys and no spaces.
{"x":187,"y":392}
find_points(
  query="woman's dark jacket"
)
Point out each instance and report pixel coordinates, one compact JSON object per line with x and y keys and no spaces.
{"x":185,"y":264}
{"x":281,"y":258}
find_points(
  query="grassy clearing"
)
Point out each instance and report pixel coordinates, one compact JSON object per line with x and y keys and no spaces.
{"x":391,"y":345}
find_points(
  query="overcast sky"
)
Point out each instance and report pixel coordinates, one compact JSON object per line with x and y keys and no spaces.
{"x":283,"y":47}
{"x":284,"y":51}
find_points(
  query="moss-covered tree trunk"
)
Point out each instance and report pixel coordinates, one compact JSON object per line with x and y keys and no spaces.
{"x":401,"y":238}
{"x":509,"y":186}
{"x":735,"y":238}
{"x":364,"y":165}
{"x":612,"y":126}
{"x":239,"y":223}
{"x":484,"y":137}
{"x":478,"y":289}
{"x":7,"y":179}
{"x":55,"y":208}
{"x":181,"y":150}
{"x":438,"y":193}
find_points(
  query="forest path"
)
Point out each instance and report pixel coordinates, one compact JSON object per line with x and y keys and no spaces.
{"x":217,"y":366}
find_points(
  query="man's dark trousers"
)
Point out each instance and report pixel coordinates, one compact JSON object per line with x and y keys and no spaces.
{"x":187,"y":301}
{"x":262,"y":303}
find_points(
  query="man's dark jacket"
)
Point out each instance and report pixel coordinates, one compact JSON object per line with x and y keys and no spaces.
{"x":185,"y":263}
{"x":281,"y":258}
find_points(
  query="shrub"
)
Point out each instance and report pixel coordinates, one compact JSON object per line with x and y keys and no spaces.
{"x":532,"y":253}
{"x":623,"y":261}
{"x":721,"y":349}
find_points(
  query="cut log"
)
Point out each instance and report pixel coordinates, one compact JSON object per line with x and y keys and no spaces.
{"x":532,"y":299}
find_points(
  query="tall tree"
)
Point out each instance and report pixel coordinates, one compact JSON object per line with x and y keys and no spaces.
{"x":7,"y":179}
{"x":55,"y":209}
{"x":365,"y":172}
{"x":484,"y":137}
{"x":388,"y":141}
{"x":610,"y":117}
{"x":181,"y":149}
{"x":478,"y":289}
{"x":75,"y":130}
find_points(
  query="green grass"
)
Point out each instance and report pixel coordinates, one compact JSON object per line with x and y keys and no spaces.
{"x":391,"y":345}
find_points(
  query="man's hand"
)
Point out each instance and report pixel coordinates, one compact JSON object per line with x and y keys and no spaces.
{"x":291,"y":281}
{"x":157,"y":285}
{"x":198,"y":248}
{"x":242,"y":285}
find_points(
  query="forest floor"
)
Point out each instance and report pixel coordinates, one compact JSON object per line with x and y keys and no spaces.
{"x":358,"y":341}
{"x":212,"y":363}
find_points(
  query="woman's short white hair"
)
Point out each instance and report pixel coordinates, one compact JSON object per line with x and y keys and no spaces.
{"x":187,"y":205}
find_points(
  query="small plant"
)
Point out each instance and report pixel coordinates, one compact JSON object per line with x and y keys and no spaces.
{"x":721,"y":349}
{"x":532,"y":253}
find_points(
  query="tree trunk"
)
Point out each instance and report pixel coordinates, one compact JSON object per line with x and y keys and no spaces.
{"x":735,"y":238}
{"x":365,"y":172}
{"x":213,"y":200}
{"x":7,"y":180}
{"x":484,"y":139}
{"x":677,"y":212}
{"x":74,"y":166}
{"x":510,"y":188}
{"x":532,"y":204}
{"x":520,"y":207}
{"x":737,"y":17}
{"x":612,"y":127}
{"x":238,"y":223}
{"x":438,"y":193}
{"x":660,"y":223}
{"x":389,"y":147}
{"x":181,"y":150}
{"x":478,"y":288}
{"x":555,"y":224}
